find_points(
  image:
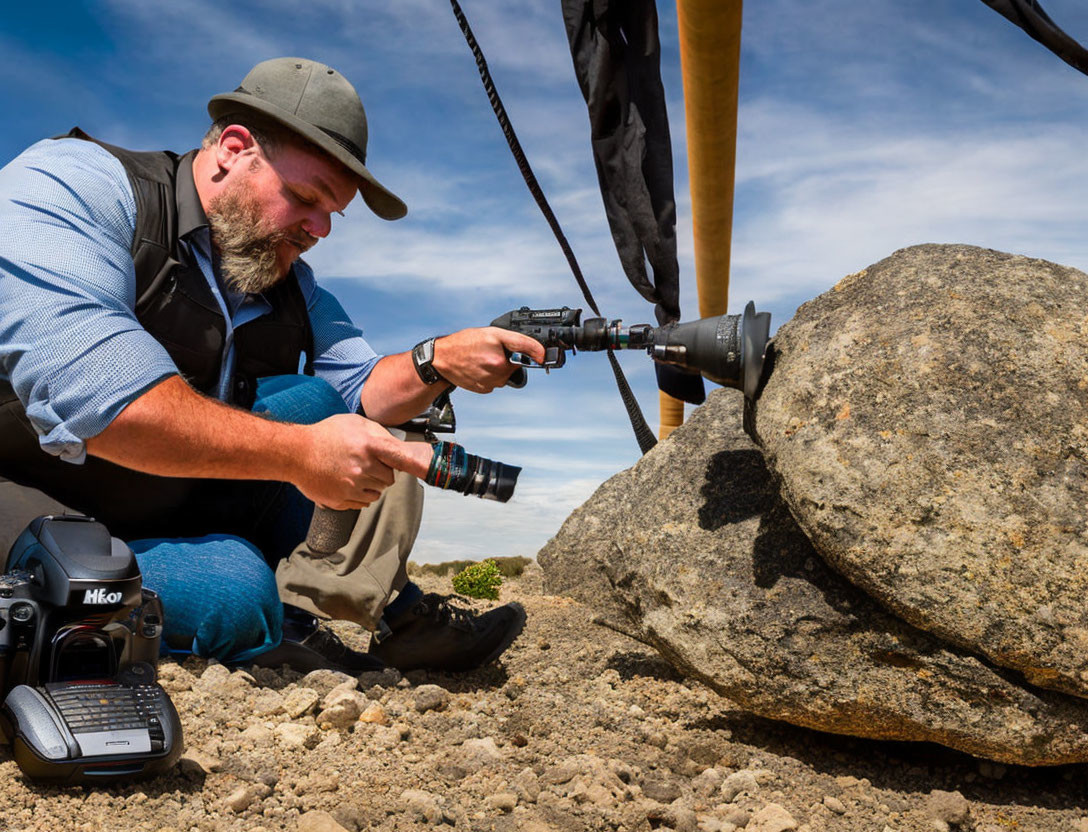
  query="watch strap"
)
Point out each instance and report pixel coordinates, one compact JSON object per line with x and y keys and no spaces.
{"x":423,"y":361}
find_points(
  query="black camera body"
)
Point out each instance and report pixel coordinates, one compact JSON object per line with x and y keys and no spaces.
{"x":79,"y":643}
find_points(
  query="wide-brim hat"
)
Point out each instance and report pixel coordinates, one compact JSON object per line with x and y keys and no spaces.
{"x":320,"y":105}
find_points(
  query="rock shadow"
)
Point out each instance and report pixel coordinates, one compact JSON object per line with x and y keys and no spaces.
{"x":737,"y":487}
{"x":909,"y":768}
{"x":634,"y":663}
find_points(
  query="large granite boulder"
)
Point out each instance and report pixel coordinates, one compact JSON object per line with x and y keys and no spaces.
{"x":928,"y":421}
{"x":693,"y":552}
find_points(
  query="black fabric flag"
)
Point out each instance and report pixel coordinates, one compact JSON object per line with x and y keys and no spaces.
{"x":617,"y":59}
{"x":1029,"y":16}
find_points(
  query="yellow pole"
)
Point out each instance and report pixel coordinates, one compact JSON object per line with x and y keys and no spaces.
{"x":710,"y":63}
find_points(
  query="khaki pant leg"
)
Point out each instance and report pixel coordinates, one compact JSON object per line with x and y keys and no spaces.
{"x":355,"y":582}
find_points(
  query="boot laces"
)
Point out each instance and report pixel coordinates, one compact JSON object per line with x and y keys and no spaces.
{"x":444,"y":612}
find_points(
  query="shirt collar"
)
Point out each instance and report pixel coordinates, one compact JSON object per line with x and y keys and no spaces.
{"x":191,"y":214}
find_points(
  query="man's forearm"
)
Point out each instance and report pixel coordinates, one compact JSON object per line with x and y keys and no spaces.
{"x":341,"y":462}
{"x":394,"y":393}
{"x":173,"y":431}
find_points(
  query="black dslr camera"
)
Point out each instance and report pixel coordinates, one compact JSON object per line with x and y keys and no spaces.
{"x":79,"y":644}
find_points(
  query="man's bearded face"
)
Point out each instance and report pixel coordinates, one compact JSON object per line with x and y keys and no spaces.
{"x":250,"y":247}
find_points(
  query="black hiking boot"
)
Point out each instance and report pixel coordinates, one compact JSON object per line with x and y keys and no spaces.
{"x":307,"y":645}
{"x":433,"y":634}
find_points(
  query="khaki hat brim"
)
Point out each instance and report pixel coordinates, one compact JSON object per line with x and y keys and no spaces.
{"x":379,"y":198}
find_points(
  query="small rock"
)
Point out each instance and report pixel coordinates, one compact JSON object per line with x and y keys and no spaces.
{"x":430,"y":698}
{"x":319,"y":822}
{"x":657,"y":739}
{"x":383,"y":736}
{"x":349,"y":685}
{"x":388,"y":678}
{"x":205,"y":763}
{"x":319,"y":783}
{"x":669,"y":817}
{"x":739,"y":782}
{"x":950,"y":807}
{"x":709,"y":823}
{"x":526,"y":785}
{"x":340,"y":715}
{"x":240,"y":679}
{"x":374,"y":713}
{"x":423,"y":805}
{"x":174,"y":678}
{"x":1081,"y":825}
{"x":302,"y":700}
{"x":240,"y":799}
{"x":661,"y":788}
{"x":324,"y":681}
{"x":293,"y":735}
{"x":682,"y":820}
{"x":772,"y":818}
{"x":257,"y":735}
{"x":707,"y":782}
{"x":477,"y":754}
{"x":503,"y":801}
{"x":267,"y":703}
{"x":834,"y":804}
{"x":736,"y":816}
{"x":215,"y":675}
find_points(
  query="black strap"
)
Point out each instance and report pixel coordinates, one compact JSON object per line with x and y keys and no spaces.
{"x":643,"y":434}
{"x":1029,"y":16}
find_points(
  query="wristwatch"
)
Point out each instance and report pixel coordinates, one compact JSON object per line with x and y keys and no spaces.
{"x":422,"y":359}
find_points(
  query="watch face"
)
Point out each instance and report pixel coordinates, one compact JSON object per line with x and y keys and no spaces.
{"x":422,"y":356}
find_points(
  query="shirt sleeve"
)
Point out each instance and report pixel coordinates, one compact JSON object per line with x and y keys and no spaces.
{"x":341,"y":355}
{"x":70,"y":344}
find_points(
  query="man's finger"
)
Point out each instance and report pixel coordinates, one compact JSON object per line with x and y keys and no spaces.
{"x":378,"y":474}
{"x":516,"y":342}
{"x":411,"y":457}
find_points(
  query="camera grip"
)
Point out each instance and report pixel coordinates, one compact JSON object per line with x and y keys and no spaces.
{"x":518,"y":379}
{"x":330,"y":530}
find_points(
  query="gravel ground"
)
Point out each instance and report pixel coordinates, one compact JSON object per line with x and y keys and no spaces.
{"x":576,"y":728}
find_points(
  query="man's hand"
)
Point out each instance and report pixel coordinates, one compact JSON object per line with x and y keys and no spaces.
{"x":475,"y":359}
{"x":341,"y":462}
{"x":478,"y":359}
{"x":353,"y":461}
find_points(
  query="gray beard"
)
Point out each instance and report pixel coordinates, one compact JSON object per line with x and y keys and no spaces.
{"x":247,"y":247}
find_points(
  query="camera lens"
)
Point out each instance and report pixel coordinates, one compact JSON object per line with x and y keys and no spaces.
{"x":22,"y":613}
{"x":475,"y":476}
{"x":492,"y":480}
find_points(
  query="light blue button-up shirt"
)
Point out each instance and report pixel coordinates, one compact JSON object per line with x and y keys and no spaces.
{"x":70,"y":344}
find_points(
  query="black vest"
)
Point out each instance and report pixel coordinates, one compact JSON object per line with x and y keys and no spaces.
{"x":173,"y":300}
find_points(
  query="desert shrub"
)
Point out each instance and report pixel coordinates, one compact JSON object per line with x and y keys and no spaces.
{"x":480,"y":580}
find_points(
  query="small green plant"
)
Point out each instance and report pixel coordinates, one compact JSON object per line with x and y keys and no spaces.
{"x":481,"y":580}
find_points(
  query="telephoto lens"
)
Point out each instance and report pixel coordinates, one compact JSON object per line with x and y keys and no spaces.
{"x":453,"y":468}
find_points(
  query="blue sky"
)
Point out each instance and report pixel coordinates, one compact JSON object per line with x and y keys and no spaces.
{"x":864,"y":127}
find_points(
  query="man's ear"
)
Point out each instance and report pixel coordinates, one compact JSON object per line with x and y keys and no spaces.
{"x":235,"y":142}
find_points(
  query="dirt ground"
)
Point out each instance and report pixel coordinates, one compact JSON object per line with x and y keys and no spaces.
{"x":576,"y":728}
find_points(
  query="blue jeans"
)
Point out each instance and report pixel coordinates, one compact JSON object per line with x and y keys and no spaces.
{"x":218,"y":588}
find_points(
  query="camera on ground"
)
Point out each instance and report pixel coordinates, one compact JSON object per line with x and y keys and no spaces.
{"x":79,"y":647}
